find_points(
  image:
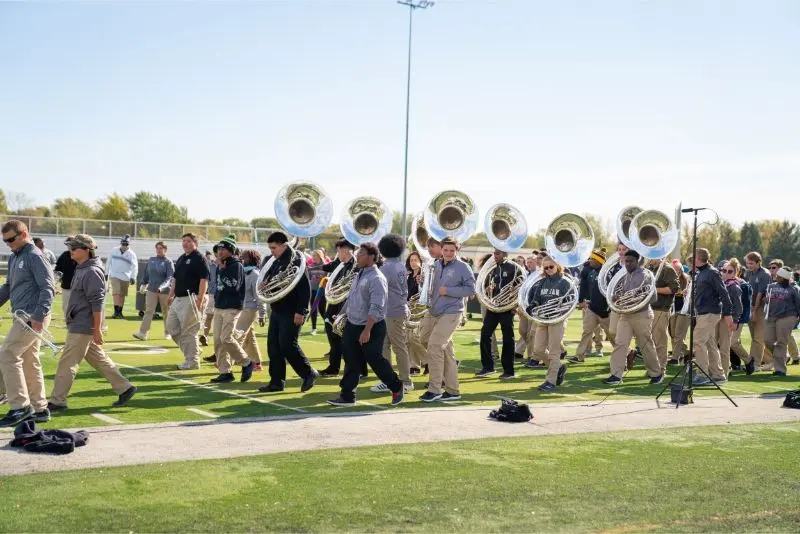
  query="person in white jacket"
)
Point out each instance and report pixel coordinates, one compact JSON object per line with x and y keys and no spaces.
{"x":122,"y":268}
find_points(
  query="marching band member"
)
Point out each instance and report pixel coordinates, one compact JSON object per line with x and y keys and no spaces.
{"x":452,"y":282}
{"x":782,"y":315}
{"x":613,"y":317}
{"x":254,"y":310}
{"x":494,"y":348}
{"x":725,"y":336}
{"x":364,"y":333}
{"x":122,"y":268}
{"x":287,"y":316}
{"x":635,"y":324}
{"x":344,"y":254}
{"x":156,"y":280}
{"x":759,"y":279}
{"x":391,"y":247}
{"x":594,"y":305}
{"x":711,"y":301}
{"x":30,"y":287}
{"x":84,"y":328}
{"x":679,"y":321}
{"x":414,"y":284}
{"x":228,"y":304}
{"x":189,"y":282}
{"x":211,"y":262}
{"x":549,"y":337}
{"x":666,"y":286}
{"x":502,"y":275}
{"x":66,"y":266}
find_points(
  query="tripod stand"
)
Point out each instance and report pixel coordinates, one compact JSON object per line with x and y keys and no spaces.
{"x":689,"y":364}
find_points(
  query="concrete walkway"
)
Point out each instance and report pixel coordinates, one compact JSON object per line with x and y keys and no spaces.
{"x":140,"y":444}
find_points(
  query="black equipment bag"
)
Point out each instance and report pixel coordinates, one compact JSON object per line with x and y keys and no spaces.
{"x":512,"y":412}
{"x":792,"y":399}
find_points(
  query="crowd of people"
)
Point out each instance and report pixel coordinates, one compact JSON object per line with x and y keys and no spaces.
{"x":219,"y":293}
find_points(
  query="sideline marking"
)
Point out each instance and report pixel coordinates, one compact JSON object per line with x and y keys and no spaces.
{"x":365,"y":403}
{"x":204,"y":413}
{"x":106,"y":419}
{"x":209,"y":388}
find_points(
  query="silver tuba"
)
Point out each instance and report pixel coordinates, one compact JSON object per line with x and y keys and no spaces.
{"x":507,"y":230}
{"x":364,"y":220}
{"x":303,"y":209}
{"x":610,"y":267}
{"x":653,"y":235}
{"x":569,"y":240}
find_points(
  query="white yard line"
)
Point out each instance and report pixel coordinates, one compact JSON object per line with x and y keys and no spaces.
{"x":204,"y":413}
{"x":365,"y":403}
{"x":209,"y":388}
{"x":106,"y":419}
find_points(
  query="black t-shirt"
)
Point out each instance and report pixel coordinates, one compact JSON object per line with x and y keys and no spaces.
{"x":189,"y":270}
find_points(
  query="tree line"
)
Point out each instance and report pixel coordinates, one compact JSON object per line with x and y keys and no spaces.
{"x":774,"y":238}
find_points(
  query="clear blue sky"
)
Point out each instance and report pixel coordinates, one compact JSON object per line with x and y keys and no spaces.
{"x":552,"y":106}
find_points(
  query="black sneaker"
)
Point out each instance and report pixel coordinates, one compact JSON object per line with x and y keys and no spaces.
{"x":328,"y":373}
{"x":247,"y":372}
{"x":547,"y":386}
{"x":485,"y":372}
{"x":778,"y":373}
{"x":124,"y":397}
{"x":55,"y":408}
{"x":271,"y":388}
{"x":563,"y":355}
{"x":425,"y":369}
{"x":656,"y":379}
{"x":750,"y":367}
{"x":15,"y":417}
{"x":449,"y":397}
{"x":796,"y":361}
{"x":562,"y":372}
{"x":308,"y":382}
{"x":613,"y":380}
{"x":223,"y":378}
{"x":430,"y":397}
{"x":341,"y":401}
{"x":533,"y":364}
{"x":508,"y":376}
{"x":414,"y":371}
{"x":574,"y":359}
{"x":41,"y":417}
{"x":397,"y":397}
{"x":518,"y":356}
{"x":211,"y":359}
{"x":673,"y":361}
{"x":204,"y":342}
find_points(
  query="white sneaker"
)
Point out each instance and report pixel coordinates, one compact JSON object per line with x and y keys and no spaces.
{"x":380,"y":388}
{"x":408,"y":387}
{"x":314,"y":332}
{"x":140,"y":336}
{"x":167,"y":337}
{"x":186,"y":366}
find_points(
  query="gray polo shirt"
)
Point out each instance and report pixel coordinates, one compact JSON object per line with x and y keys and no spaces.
{"x":30,"y":284}
{"x":397,"y":302}
{"x":759,"y":281}
{"x":367,"y":297}
{"x":459,"y":280}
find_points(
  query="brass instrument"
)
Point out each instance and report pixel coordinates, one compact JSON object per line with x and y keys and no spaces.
{"x":339,"y":322}
{"x":197,"y":312}
{"x":47,"y":339}
{"x":507,"y":230}
{"x":624,"y":219}
{"x":303,"y":209}
{"x":569,"y":240}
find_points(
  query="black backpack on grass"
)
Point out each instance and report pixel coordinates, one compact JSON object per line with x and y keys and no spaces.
{"x":512,"y":412}
{"x":792,"y":399}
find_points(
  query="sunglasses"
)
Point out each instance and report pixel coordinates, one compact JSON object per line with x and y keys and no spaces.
{"x":550,"y":268}
{"x":11,"y":239}
{"x":773,"y":267}
{"x":78,"y":248}
{"x":728,"y":271}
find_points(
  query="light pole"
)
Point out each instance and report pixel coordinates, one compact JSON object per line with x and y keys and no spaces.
{"x":412,"y":5}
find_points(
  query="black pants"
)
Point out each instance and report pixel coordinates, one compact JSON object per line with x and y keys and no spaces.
{"x":282,"y":347}
{"x":490,"y":322}
{"x":356,"y":355}
{"x":335,"y":343}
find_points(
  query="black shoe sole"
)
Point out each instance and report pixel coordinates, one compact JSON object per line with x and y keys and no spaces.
{"x":247,"y":372}
{"x":562,"y":372}
{"x":125,"y":397}
{"x":268,"y":389}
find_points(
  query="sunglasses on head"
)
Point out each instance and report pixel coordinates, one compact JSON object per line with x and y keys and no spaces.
{"x":11,"y":239}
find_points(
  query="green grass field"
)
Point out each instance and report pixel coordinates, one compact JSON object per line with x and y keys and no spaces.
{"x":166,"y":394}
{"x":708,"y":479}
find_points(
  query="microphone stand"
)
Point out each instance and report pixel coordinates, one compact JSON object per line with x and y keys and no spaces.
{"x":689,"y":364}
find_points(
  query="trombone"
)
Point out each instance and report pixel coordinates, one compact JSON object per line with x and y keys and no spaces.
{"x":197,"y":313}
{"x":47,"y":339}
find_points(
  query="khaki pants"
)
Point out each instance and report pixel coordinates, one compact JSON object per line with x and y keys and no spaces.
{"x":226,"y":347}
{"x":679,"y":326}
{"x":706,"y":352}
{"x":78,"y":347}
{"x":793,"y":347}
{"x":183,"y":326}
{"x":613,"y":319}
{"x":245,"y":324}
{"x":522,"y":345}
{"x":21,"y":369}
{"x":777,"y":332}
{"x":660,"y":331}
{"x":598,"y":338}
{"x":736,"y":344}
{"x":724,"y":336}
{"x":397,"y":339}
{"x":548,"y":341}
{"x":64,"y":302}
{"x":629,"y":326}
{"x":591,"y":321}
{"x":120,"y":287}
{"x":436,"y":334}
{"x":757,"y":347}
{"x":151,"y":300}
{"x":415,"y":348}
